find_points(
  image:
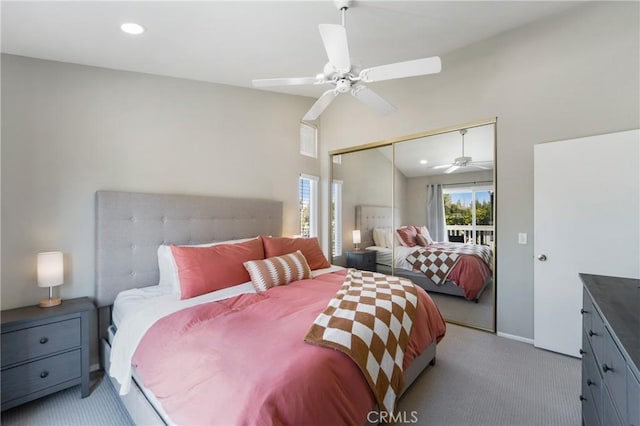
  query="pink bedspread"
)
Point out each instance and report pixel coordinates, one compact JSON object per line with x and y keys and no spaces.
{"x":470,"y":274}
{"x":243,"y":360}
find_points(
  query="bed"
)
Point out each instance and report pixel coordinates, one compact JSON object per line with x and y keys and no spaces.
{"x":129,"y":229}
{"x":468,"y":279}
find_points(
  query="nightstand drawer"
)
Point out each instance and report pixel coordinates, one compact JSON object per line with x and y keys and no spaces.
{"x":29,"y":343}
{"x":38,"y":375}
{"x":364,"y":260}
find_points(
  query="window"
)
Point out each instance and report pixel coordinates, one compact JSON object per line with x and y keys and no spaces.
{"x":469,"y":214}
{"x":308,"y":198}
{"x":336,"y":217}
{"x":308,"y":140}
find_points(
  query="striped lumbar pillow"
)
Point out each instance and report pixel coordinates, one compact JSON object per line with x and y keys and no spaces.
{"x":279,"y":270}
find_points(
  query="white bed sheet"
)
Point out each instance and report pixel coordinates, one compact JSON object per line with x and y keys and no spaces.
{"x":384,"y":255}
{"x":136,"y":310}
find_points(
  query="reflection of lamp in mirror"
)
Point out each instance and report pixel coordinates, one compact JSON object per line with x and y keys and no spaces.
{"x":50,"y":274}
{"x":356,"y":239}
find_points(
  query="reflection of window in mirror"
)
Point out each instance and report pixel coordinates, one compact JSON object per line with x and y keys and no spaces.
{"x":469,"y":214}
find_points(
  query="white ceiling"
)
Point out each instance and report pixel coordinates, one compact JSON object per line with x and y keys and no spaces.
{"x":233,"y":42}
{"x":442,"y":149}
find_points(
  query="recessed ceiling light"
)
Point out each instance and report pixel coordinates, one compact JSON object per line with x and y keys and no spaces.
{"x":423,"y":161}
{"x":132,"y":28}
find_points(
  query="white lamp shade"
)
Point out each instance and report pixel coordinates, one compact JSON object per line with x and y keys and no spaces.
{"x":50,"y":269}
{"x":356,"y":236}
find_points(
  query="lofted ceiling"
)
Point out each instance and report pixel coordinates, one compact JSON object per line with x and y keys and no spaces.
{"x":233,"y":42}
{"x":441,"y":149}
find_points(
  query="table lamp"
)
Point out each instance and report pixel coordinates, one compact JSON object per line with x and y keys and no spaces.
{"x":356,"y":238}
{"x":50,"y":274}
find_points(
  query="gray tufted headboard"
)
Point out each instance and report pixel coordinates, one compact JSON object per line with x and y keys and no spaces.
{"x":370,"y":217}
{"x":131,"y":226}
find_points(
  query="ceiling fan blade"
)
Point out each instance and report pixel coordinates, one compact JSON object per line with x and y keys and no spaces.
{"x":442,"y":166}
{"x":452,"y":168}
{"x":372,"y":99}
{"x":294,"y":81}
{"x":320,"y":105}
{"x":479,"y":167}
{"x":413,"y":68}
{"x":334,"y":38}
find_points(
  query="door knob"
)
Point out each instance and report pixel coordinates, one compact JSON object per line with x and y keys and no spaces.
{"x":542,"y":257}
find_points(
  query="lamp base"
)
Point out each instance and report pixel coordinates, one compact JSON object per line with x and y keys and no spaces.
{"x":47,"y":303}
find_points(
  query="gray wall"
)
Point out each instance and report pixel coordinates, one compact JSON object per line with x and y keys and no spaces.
{"x":69,"y":130}
{"x":571,"y":75}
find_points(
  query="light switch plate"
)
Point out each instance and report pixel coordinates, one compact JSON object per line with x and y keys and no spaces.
{"x":522,"y":238}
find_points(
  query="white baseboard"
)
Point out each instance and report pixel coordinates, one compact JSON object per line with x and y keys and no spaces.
{"x":94,"y":367}
{"x":514,"y":337}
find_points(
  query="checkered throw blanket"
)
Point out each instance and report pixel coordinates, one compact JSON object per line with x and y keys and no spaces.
{"x":437,"y":260}
{"x":370,"y":319}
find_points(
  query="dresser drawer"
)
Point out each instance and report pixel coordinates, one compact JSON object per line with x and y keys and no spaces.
{"x":38,"y":375}
{"x":596,"y":334}
{"x":588,"y":311}
{"x":609,"y":417}
{"x":29,"y":343}
{"x":614,"y":369}
{"x":633,"y":398}
{"x":591,"y":377}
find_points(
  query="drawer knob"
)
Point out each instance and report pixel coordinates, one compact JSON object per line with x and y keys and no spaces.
{"x":44,"y":340}
{"x":582,"y":352}
{"x":606,"y":368}
{"x":44,"y":374}
{"x":582,"y":398}
{"x":591,"y":333}
{"x":582,"y":311}
{"x":589,"y":382}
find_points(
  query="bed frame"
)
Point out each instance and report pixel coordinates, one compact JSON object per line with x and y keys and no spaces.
{"x":131,"y":226}
{"x":370,"y":217}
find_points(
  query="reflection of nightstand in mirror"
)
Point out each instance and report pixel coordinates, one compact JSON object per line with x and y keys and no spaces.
{"x":364,"y":260}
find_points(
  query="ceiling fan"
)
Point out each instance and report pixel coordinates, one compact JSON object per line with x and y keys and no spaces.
{"x":346,"y":77}
{"x":462,"y":161}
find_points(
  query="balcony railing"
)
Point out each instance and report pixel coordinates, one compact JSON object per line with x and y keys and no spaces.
{"x":464,"y":234}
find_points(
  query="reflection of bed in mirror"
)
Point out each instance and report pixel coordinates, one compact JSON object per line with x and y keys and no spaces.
{"x":469,"y":278}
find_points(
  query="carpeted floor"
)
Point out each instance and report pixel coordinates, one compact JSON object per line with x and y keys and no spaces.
{"x":461,"y":310}
{"x":479,"y":379}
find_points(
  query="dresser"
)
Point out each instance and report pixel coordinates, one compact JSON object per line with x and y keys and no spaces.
{"x":364,"y":260}
{"x":610,"y":351}
{"x":44,"y":350}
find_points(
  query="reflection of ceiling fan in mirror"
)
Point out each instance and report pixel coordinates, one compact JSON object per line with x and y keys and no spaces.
{"x":347,"y":77}
{"x":462,"y":161}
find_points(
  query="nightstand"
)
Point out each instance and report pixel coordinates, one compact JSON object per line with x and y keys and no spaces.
{"x":364,"y":260}
{"x":44,"y":350}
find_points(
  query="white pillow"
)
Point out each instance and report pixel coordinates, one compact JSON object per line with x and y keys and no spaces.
{"x":425,"y":233}
{"x":379,"y":237}
{"x":169,"y":278}
{"x":389,"y":238}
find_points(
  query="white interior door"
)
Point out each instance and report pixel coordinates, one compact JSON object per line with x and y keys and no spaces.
{"x":586,"y":219}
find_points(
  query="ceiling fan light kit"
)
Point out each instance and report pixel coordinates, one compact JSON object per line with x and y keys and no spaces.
{"x":341,"y":73}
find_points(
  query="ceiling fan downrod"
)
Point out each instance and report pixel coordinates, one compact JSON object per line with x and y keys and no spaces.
{"x":343,"y":6}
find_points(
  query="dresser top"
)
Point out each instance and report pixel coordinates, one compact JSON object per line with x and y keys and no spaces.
{"x":32,"y":313}
{"x":618,"y":301}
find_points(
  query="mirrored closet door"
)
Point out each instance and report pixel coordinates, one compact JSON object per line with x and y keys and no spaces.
{"x":438,"y":226}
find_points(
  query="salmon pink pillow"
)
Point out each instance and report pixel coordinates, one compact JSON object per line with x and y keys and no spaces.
{"x":206,"y":269}
{"x":407,"y":236}
{"x":277,"y":246}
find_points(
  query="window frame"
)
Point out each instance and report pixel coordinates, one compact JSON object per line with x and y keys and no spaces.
{"x":313,"y":204}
